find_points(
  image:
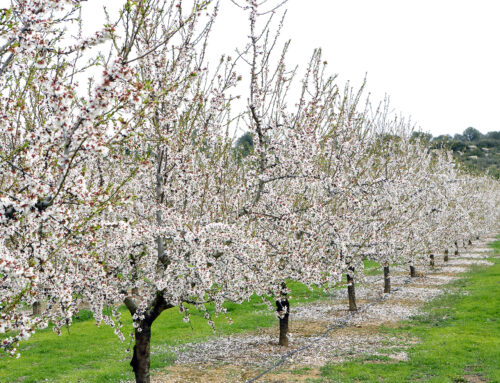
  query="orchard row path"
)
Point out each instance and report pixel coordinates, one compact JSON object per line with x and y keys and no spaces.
{"x":323,"y":331}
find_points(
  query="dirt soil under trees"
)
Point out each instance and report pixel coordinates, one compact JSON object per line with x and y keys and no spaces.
{"x":323,"y":332}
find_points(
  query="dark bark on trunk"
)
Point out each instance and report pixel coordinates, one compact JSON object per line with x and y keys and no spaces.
{"x":283,"y":306}
{"x":387,"y":280}
{"x":446,"y":258}
{"x":432,"y":263}
{"x":470,"y":242}
{"x":456,"y":248}
{"x":351,"y":292}
{"x":413,"y":272}
{"x":37,"y":308}
{"x":141,"y":359}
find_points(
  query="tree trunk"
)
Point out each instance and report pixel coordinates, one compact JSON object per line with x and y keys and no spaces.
{"x":141,"y":359}
{"x":446,"y":258}
{"x":470,"y":242}
{"x":432,"y":263}
{"x":413,"y":272}
{"x":37,"y":308}
{"x":283,"y":306}
{"x":351,"y":292}
{"x":387,"y":280}
{"x":456,"y":248}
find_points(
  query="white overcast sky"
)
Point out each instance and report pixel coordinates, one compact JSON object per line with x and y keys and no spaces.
{"x":437,"y":60}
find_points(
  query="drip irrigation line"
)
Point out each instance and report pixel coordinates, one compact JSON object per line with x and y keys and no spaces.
{"x":337,"y":326}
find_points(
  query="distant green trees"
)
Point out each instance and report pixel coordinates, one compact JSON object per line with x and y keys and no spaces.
{"x":244,"y":144}
{"x":471,"y":134}
{"x":476,"y":151}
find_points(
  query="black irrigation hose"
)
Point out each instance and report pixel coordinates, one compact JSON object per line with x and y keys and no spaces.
{"x":340,"y":325}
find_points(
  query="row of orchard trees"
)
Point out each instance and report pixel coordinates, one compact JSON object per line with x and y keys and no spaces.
{"x":129,"y":189}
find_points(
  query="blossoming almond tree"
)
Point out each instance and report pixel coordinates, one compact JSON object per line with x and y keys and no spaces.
{"x":64,"y":154}
{"x":180,"y":235}
{"x":52,"y":138}
{"x":410,"y":172}
{"x":283,"y":186}
{"x":353,"y":177}
{"x":389,"y":208}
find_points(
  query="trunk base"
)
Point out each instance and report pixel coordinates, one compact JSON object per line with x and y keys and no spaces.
{"x":413,"y":272}
{"x":387,"y":280}
{"x":38,"y":307}
{"x":351,"y":292}
{"x":283,"y":306}
{"x":141,"y":359}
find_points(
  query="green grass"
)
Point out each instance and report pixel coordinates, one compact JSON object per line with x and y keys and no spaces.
{"x":460,"y":337}
{"x":89,"y":353}
{"x":372,"y":268}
